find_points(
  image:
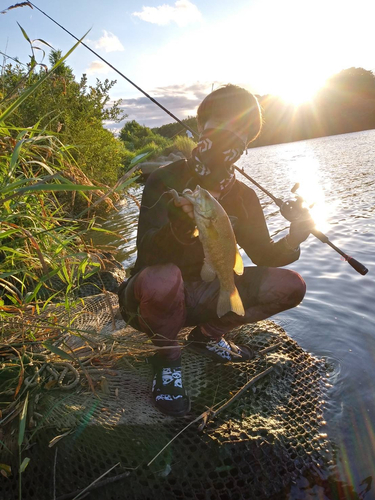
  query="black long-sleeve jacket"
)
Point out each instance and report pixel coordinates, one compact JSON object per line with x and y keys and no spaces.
{"x":165,"y":232}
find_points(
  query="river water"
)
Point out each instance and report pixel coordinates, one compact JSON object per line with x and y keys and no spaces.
{"x":336,"y":319}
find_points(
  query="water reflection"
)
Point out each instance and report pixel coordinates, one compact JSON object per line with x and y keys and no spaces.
{"x":123,"y":228}
{"x":307,"y":172}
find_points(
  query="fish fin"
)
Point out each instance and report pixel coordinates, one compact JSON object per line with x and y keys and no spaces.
{"x":230,"y":301}
{"x":207,"y":273}
{"x":195,"y":233}
{"x":236,"y":303}
{"x":238,"y":264}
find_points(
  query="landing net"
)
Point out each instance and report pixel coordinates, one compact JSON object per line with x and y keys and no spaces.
{"x":91,"y":410}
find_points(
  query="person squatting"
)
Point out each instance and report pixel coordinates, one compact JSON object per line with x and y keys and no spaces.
{"x":165,"y":291}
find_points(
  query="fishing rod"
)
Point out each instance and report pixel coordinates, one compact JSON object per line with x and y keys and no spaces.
{"x":292,"y":210}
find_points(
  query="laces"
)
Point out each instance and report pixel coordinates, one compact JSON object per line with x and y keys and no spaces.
{"x":223,"y":348}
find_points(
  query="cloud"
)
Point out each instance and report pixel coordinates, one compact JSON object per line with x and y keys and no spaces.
{"x":182,"y":13}
{"x":109,"y":43}
{"x":181,"y":100}
{"x":98,"y":67}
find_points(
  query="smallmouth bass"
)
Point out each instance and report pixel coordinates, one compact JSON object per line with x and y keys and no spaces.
{"x":220,"y":248}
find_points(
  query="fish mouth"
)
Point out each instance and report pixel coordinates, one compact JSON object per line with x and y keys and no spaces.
{"x":190,"y":195}
{"x":189,"y":192}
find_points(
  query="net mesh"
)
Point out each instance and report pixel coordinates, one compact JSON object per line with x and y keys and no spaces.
{"x":85,"y":420}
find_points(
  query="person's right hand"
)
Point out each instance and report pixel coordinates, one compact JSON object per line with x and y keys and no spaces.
{"x":180,"y":201}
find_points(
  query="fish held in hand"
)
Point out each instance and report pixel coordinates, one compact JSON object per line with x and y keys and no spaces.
{"x":220,"y":248}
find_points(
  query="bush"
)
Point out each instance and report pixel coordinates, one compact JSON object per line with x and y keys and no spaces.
{"x":137,"y":137}
{"x":185,"y":145}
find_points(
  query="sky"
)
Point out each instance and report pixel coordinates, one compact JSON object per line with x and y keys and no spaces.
{"x":178,"y":51}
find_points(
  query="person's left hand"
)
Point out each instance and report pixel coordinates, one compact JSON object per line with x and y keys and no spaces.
{"x":300,"y":229}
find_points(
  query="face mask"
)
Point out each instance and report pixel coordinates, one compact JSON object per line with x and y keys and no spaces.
{"x":214,"y":158}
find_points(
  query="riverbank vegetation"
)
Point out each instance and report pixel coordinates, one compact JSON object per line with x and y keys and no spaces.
{"x":59,"y":170}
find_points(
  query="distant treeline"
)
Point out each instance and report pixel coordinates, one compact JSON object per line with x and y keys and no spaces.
{"x":345,"y":104}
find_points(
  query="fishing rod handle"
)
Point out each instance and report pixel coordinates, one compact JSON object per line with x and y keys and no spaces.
{"x":360,"y":268}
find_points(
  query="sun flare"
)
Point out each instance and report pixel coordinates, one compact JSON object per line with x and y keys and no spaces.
{"x":298,"y":91}
{"x":297,"y":96}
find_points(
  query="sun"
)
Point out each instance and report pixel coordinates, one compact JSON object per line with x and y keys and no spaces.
{"x":298,"y":89}
{"x":297,"y":96}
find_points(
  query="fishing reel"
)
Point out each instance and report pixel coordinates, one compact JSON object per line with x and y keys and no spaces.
{"x":294,"y":210}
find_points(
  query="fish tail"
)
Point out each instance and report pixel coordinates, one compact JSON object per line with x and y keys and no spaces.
{"x":230,"y":301}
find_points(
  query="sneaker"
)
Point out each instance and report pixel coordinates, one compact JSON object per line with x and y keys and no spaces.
{"x":168,"y":393}
{"x":221,"y":351}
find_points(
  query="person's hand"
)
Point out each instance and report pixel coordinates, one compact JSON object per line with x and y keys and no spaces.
{"x":185,"y":205}
{"x":300,"y":229}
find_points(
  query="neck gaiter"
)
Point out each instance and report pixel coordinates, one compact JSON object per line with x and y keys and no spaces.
{"x":214,"y":157}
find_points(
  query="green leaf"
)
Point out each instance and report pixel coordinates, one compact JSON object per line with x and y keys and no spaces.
{"x":52,"y":187}
{"x":126,"y":183}
{"x":25,"y":463}
{"x":101,"y":230}
{"x":139,"y":158}
{"x":12,"y":187}
{"x":24,"y":33}
{"x":45,"y":43}
{"x":61,"y":187}
{"x":22,"y":426}
{"x":10,"y":273}
{"x":48,"y":345}
{"x":15,"y":154}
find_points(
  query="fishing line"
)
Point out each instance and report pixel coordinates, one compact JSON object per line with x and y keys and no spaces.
{"x":289,"y":209}
{"x":157,"y":201}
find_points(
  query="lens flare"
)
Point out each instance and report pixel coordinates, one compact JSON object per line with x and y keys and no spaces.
{"x":307,"y":172}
